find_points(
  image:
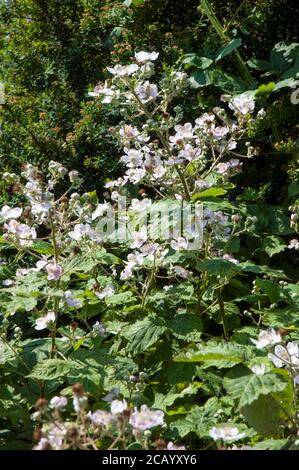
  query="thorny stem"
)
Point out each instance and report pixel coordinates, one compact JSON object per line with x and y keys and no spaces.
{"x":223,"y":315}
{"x":164,"y":143}
{"x":244,"y":71}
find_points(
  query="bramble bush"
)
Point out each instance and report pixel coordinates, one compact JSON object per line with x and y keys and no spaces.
{"x":140,"y":341}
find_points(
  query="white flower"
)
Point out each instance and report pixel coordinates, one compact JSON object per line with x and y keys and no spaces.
{"x":44,"y":322}
{"x":288,"y":356}
{"x":99,"y":329}
{"x":71,"y":301}
{"x":206,"y":120}
{"x":230,"y":258}
{"x":146,"y":91}
{"x":58,"y":402}
{"x":10,"y":213}
{"x":100,"y":418}
{"x":172,"y":446}
{"x":7,"y":282}
{"x":133,"y":158}
{"x":146,"y":418}
{"x":184,"y":273}
{"x":182,"y":132}
{"x":294,"y":243}
{"x":118,"y":406}
{"x":143,"y":56}
{"x":123,"y":70}
{"x":43,"y":444}
{"x":100,"y":210}
{"x":266,"y":338}
{"x":242,"y":104}
{"x":54,"y":271}
{"x":22,"y":232}
{"x":106,"y":292}
{"x":139,"y":238}
{"x":140,"y":206}
{"x":179,"y":244}
{"x":127,"y":273}
{"x":258,"y":369}
{"x":226,"y":432}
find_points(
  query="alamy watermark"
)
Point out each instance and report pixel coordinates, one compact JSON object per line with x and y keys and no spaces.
{"x":164,"y":221}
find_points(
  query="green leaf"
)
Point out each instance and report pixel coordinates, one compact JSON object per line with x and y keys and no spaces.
{"x":144,"y":333}
{"x":274,"y":292}
{"x":270,"y":444}
{"x":196,"y":61}
{"x":245,"y":387}
{"x":199,"y":421}
{"x":229,"y":48}
{"x":221,"y":355}
{"x":162,"y":402}
{"x":122,"y":298}
{"x":51,"y":369}
{"x":42,"y":247}
{"x":265,"y":89}
{"x":212,"y":192}
{"x":186,"y":326}
{"x":273,"y":245}
{"x":218,"y":267}
{"x":293,"y":189}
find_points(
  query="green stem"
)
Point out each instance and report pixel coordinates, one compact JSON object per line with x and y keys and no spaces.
{"x":244,"y":71}
{"x":223,"y":315}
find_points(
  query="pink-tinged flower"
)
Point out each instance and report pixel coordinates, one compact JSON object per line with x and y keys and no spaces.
{"x":294,"y":243}
{"x":266,"y":338}
{"x":44,"y":322}
{"x":288,"y":356}
{"x":230,"y":258}
{"x":182,"y":272}
{"x":54,"y":271}
{"x":206,"y":120}
{"x":146,"y":418}
{"x":242,"y":104}
{"x":71,"y":301}
{"x":8,"y":282}
{"x":179,"y":244}
{"x":143,"y":56}
{"x":23,"y":234}
{"x":10,"y":213}
{"x":123,"y":70}
{"x":106,"y":292}
{"x":58,"y":402}
{"x":146,"y":91}
{"x":118,"y":406}
{"x":127,"y":273}
{"x":133,"y":158}
{"x":100,"y":418}
{"x":139,"y":238}
{"x":99,"y":329}
{"x":226,"y":432}
{"x":172,"y":446}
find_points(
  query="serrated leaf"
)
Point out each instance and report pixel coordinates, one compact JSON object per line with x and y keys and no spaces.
{"x":163,"y":401}
{"x":51,"y":369}
{"x":186,"y":326}
{"x":199,"y":420}
{"x":245,"y":387}
{"x":221,"y":355}
{"x":218,"y":267}
{"x":144,"y":333}
{"x":273,"y":245}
